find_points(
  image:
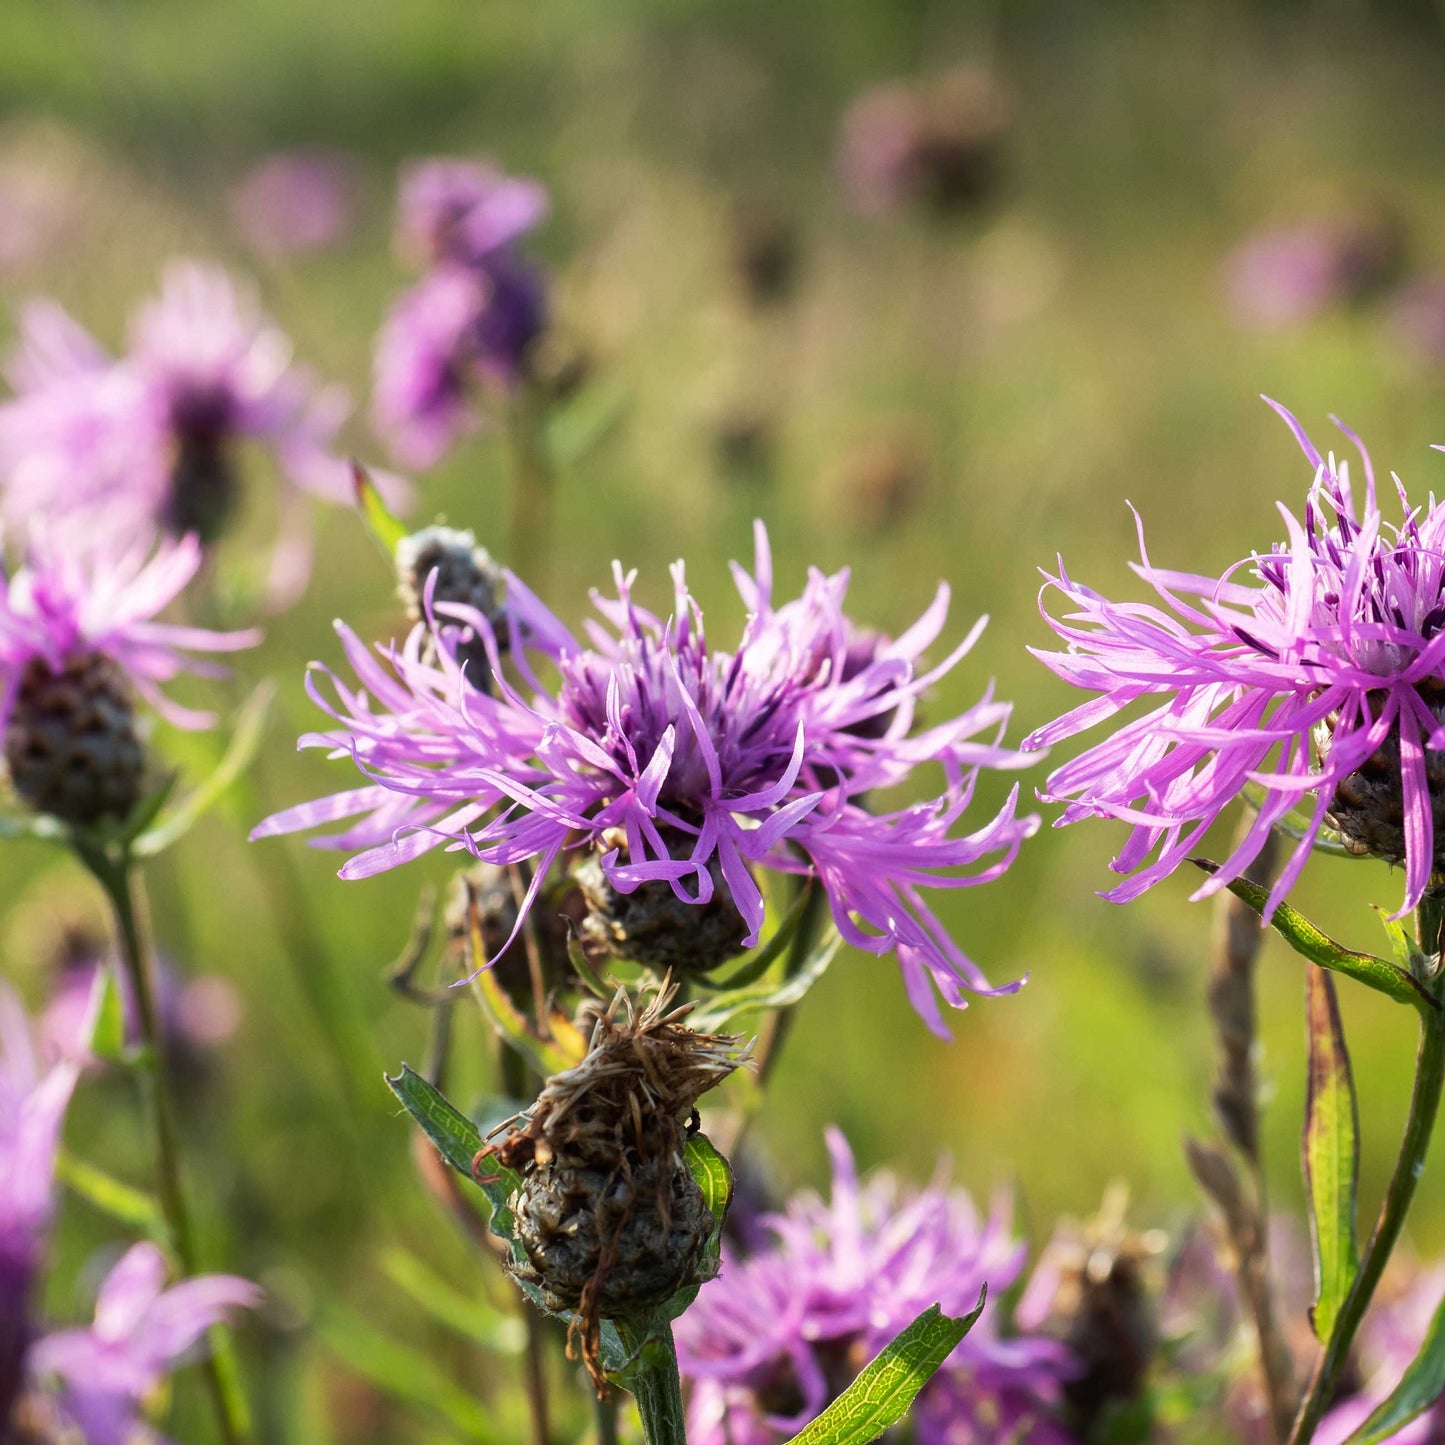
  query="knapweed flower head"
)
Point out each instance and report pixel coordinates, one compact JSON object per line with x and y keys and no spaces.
{"x":295,"y":202}
{"x":33,"y":1101}
{"x":782,"y":1332}
{"x":1290,"y":274}
{"x":100,"y":1377}
{"x":79,"y":642}
{"x":153,"y":440}
{"x":679,"y":765}
{"x":472,"y":320}
{"x":1312,"y":674}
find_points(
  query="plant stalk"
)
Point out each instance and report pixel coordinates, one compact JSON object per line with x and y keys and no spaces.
{"x":1424,"y":1105}
{"x":654,"y":1380}
{"x":119,"y":883}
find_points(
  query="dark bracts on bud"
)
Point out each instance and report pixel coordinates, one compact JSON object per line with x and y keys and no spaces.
{"x":466,"y":575}
{"x":1368,"y":808}
{"x":203,"y":491}
{"x":654,"y":927}
{"x":71,"y":745}
{"x":610,"y":1220}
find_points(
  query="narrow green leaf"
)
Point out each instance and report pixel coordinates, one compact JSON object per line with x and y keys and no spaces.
{"x":879,"y":1398}
{"x":1331,"y":1153}
{"x":1420,"y":1386}
{"x":1297,"y":826}
{"x":385,"y":529}
{"x":763,"y":958}
{"x":471,"y":1316}
{"x":1311,"y":943}
{"x":722,"y":1008}
{"x":713,"y":1174}
{"x":407,"y":1373}
{"x":245,"y":741}
{"x":121,"y":1202}
{"x":105,"y":1017}
{"x":575,"y":430}
{"x":549,"y":1056}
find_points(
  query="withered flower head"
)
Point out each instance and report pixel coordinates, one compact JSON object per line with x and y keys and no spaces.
{"x":609,"y":1217}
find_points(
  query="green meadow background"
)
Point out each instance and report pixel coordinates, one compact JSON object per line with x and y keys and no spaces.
{"x":1064,"y":351}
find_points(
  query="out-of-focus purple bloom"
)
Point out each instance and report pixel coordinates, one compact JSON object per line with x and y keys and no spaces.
{"x":1289,"y":275}
{"x":142,"y":1332}
{"x":1417,"y":319}
{"x":472,"y":320}
{"x":1321,"y":672}
{"x":681,"y":764}
{"x":779,"y":1334}
{"x":464,"y":211}
{"x":296,"y":202}
{"x":32,"y":1108}
{"x":1391,"y":1338}
{"x":67,"y":602}
{"x":934,"y":143}
{"x":118,"y":448}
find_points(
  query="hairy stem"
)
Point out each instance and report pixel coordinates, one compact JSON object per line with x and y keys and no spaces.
{"x":654,"y":1380}
{"x":1424,"y":1105}
{"x":120,"y":885}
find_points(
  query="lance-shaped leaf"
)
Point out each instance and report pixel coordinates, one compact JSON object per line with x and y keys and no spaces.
{"x":246,"y":737}
{"x":1312,"y":943}
{"x":1298,"y":826}
{"x":385,"y":529}
{"x":721,"y":1009}
{"x":1331,"y":1153}
{"x":124,"y":1203}
{"x":470,"y":1315}
{"x":879,"y":1398}
{"x":104,"y":1028}
{"x":1422,"y":1384}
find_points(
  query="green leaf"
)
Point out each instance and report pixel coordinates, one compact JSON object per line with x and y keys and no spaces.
{"x":1331,"y":1154}
{"x":1297,"y":826}
{"x":408,"y":1374}
{"x":722,"y":1008}
{"x":1311,"y":943}
{"x":879,"y":1398}
{"x":471,"y":1316}
{"x":575,"y":430}
{"x":384,"y":528}
{"x":105,"y":1017}
{"x":763,"y":958}
{"x":1420,"y":1386}
{"x":122,"y":1202}
{"x":245,"y":741}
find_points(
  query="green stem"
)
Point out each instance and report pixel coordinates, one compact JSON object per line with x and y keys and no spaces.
{"x":119,"y":883}
{"x":654,"y":1379}
{"x":1424,"y":1104}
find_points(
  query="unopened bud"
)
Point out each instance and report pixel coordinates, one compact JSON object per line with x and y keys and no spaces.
{"x":71,"y":744}
{"x":465,"y":574}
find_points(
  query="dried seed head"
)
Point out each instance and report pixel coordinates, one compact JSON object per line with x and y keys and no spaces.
{"x":1368,"y":808}
{"x":654,"y":927}
{"x":71,"y":744}
{"x":465,"y":574}
{"x":609,"y":1217}
{"x":1104,"y":1306}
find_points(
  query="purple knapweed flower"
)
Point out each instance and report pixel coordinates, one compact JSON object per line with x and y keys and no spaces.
{"x":464,"y":211}
{"x":779,"y":1334}
{"x":32,"y":1109}
{"x":680,"y":765}
{"x":101,"y":1376}
{"x":295,"y":203}
{"x":1391,"y":1337}
{"x":1290,"y":274}
{"x":118,"y":448}
{"x":472,"y":319}
{"x":1320,"y":670}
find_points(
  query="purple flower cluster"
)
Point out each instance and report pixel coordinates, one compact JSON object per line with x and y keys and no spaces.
{"x":472,"y":318}
{"x":780,"y":1333}
{"x":680,"y":764}
{"x":1320,"y":671}
{"x":118,"y":448}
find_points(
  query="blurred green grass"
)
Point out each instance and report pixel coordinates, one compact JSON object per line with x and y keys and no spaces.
{"x":1063,"y":352}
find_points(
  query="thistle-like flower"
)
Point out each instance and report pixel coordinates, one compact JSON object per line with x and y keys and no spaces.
{"x":679,"y":766}
{"x":98,"y":1378}
{"x":782,"y":1332}
{"x":1317,"y":668}
{"x":472,"y":320}
{"x":78,"y":644}
{"x":32,"y":1109}
{"x":153,"y":440}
